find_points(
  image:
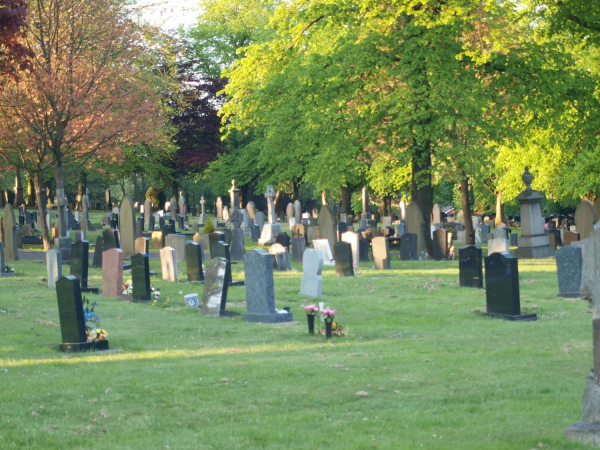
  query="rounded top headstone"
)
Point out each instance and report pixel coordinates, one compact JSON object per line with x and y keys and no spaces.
{"x":527,"y":178}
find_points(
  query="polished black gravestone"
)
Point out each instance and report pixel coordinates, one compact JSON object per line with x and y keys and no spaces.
{"x":342,"y":227}
{"x":110,"y":239}
{"x":193,"y":261}
{"x":283,"y":239}
{"x":97,"y":262}
{"x":569,"y":265}
{"x":80,"y":262}
{"x":470,"y":266}
{"x":363,"y":249}
{"x":213,"y":238}
{"x":440,"y":245}
{"x":255,"y":232}
{"x":260,"y":289}
{"x":502,"y":288}
{"x":221,"y":250}
{"x":72,"y":321}
{"x":180,"y":223}
{"x":342,"y":254}
{"x":140,"y":278}
{"x":409,"y":247}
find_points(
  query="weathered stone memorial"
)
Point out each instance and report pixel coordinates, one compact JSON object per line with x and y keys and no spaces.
{"x":470,"y":266}
{"x":110,"y":239}
{"x":53,"y":265}
{"x":298,"y":247}
{"x":533,"y":242}
{"x":569,"y":264}
{"x":168,"y":264}
{"x":588,"y":430}
{"x":177,"y":242}
{"x":499,"y":245}
{"x":260,"y":290}
{"x":214,"y":293}
{"x":381,"y":253}
{"x":221,"y":250}
{"x":327,"y":226}
{"x":312,"y":268}
{"x":502,"y":288}
{"x":127,"y":227}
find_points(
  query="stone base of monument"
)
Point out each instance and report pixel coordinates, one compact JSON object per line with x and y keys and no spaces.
{"x":519,"y":317}
{"x":586,"y":432}
{"x":84,"y":347}
{"x":268,"y":318}
{"x":236,"y":284}
{"x":569,"y":295}
{"x":545,"y":251}
{"x":91,"y":290}
{"x":7,"y":274}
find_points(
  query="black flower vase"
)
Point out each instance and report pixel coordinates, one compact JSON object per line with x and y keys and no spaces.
{"x":328,"y":327}
{"x":311,"y":323}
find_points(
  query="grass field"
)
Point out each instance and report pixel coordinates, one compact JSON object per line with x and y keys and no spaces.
{"x":438,"y":374}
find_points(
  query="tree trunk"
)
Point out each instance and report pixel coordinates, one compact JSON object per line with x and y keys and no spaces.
{"x":295,"y":191}
{"x":324,"y":198}
{"x":243,"y":197}
{"x":39,"y":183}
{"x":59,"y":178}
{"x":175,"y":189}
{"x":19,"y":199}
{"x":276,"y":200}
{"x":466,"y":208}
{"x":422,"y":189}
{"x":499,"y":209}
{"x":31,"y":199}
{"x":346,"y":200}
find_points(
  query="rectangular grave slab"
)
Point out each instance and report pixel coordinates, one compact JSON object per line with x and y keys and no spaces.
{"x":260,"y":289}
{"x":470,"y":266}
{"x":502,"y":288}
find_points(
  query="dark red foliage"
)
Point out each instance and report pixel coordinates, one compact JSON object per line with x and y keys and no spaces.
{"x":198,"y":138}
{"x":13,"y":54}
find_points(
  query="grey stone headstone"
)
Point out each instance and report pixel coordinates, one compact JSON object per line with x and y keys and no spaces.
{"x":401,"y":229}
{"x":514,"y":239}
{"x":298,"y":247}
{"x":140,"y":278}
{"x":499,"y":245}
{"x":569,"y":265}
{"x":255,"y":233}
{"x":289,"y":211}
{"x":500,"y":233}
{"x":238,"y":248}
{"x":54,"y":267}
{"x":193,"y":259}
{"x":298,"y":211}
{"x":168,"y":263}
{"x":177,"y":242}
{"x":381,"y":253}
{"x":214,"y":294}
{"x":148,"y":215}
{"x":260,"y":289}
{"x":327,"y":226}
{"x":260,"y":220}
{"x":485,"y":231}
{"x":127,"y":227}
{"x":386,"y":221}
{"x":98,"y":249}
{"x":312,"y":267}
{"x":250,"y":211}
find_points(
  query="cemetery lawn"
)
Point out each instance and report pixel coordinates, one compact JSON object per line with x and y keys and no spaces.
{"x":437,"y":373}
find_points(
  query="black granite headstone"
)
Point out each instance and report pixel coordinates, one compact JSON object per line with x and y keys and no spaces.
{"x":409,"y":247}
{"x":470,"y":266}
{"x":140,"y":278}
{"x":283,"y":239}
{"x":193,"y":259}
{"x":342,"y":227}
{"x":342,"y":254}
{"x":502,"y":287}
{"x":255,"y":232}
{"x":180,"y":223}
{"x":440,"y":245}
{"x":298,"y":247}
{"x":363,"y":249}
{"x":98,"y":249}
{"x":80,"y":251}
{"x":72,"y":321}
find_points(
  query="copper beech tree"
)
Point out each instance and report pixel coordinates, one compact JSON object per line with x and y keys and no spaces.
{"x":87,"y":93}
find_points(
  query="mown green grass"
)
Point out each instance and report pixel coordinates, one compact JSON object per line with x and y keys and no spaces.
{"x":438,"y":374}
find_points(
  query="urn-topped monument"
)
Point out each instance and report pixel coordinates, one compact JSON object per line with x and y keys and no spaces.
{"x":533,"y":242}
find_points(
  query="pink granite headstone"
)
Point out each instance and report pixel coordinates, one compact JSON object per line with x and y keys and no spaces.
{"x":112,"y":273}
